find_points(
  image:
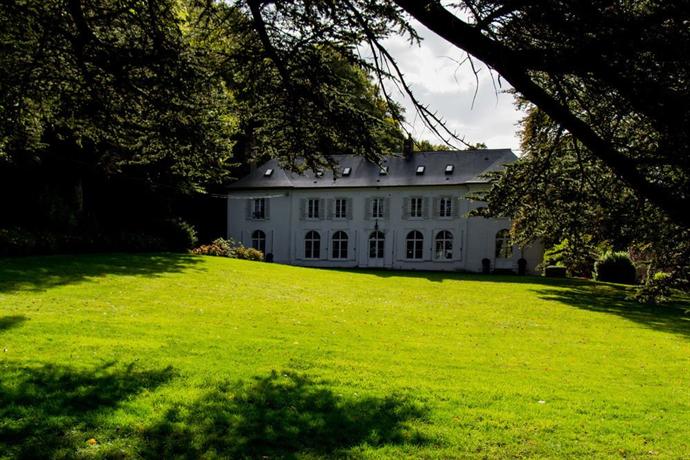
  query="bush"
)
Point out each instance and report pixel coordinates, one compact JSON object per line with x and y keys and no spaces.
{"x":228,"y":248}
{"x":242,"y":252}
{"x":219,"y":247}
{"x":656,"y":290}
{"x":615,"y":267}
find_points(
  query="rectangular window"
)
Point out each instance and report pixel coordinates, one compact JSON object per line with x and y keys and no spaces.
{"x":445,"y":207}
{"x":340,"y":208}
{"x":377,"y":208}
{"x":259,"y":208}
{"x":416,"y":207}
{"x":313,"y":208}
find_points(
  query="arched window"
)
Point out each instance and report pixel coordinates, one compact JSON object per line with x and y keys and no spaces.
{"x":504,"y":247}
{"x":414,"y":245}
{"x":340,"y":245}
{"x":312,"y":245}
{"x":259,"y":240}
{"x":376,"y":243}
{"x":444,"y":245}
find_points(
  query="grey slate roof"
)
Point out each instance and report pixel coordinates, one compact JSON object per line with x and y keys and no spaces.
{"x":469,"y":166}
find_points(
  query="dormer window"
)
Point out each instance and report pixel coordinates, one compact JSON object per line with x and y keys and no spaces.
{"x":383,"y":171}
{"x":268,"y":173}
{"x":449,"y":169}
{"x":420,"y":170}
{"x":347,"y":171}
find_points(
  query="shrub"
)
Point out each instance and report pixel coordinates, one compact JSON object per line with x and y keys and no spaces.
{"x":615,"y":267}
{"x":577,"y":256}
{"x":219,"y":247}
{"x":242,"y":252}
{"x":228,"y":248}
{"x":656,"y":290}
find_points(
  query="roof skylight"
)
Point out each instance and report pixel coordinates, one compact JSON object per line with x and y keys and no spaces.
{"x":420,"y":170}
{"x":449,"y":169}
{"x":268,"y":172}
{"x":383,"y":171}
{"x":347,"y":171}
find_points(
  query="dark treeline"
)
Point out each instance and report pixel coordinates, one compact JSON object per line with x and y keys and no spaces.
{"x":121,"y":122}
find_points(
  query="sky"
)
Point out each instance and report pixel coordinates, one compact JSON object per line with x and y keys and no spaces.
{"x":436,"y":79}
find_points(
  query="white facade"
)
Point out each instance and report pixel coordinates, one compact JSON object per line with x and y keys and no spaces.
{"x":279,"y":222}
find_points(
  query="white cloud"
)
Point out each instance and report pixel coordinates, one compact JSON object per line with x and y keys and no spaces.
{"x":438,"y":81}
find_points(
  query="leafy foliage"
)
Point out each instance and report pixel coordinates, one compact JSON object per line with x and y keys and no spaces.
{"x":562,"y":194}
{"x":655,"y":290}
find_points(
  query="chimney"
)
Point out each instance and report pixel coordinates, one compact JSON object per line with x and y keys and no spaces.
{"x":408,"y":146}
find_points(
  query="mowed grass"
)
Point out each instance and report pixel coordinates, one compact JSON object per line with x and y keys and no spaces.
{"x":165,"y":356}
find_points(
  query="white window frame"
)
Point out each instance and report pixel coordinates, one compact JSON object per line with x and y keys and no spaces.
{"x":377,"y":242}
{"x":313,"y":208}
{"x":259,"y":208}
{"x":417,"y":245}
{"x":341,"y":210}
{"x":416,"y":207}
{"x":337,"y":242}
{"x":443,"y":245}
{"x":445,"y":207}
{"x":504,"y":244}
{"x":312,"y":240}
{"x":259,"y":240}
{"x":377,"y":208}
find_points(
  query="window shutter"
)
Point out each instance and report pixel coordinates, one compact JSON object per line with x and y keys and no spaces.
{"x":322,"y":209}
{"x":437,"y":207}
{"x":329,"y":208}
{"x":386,"y":208}
{"x":267,"y":209}
{"x":425,"y":207}
{"x":367,"y":209}
{"x":406,"y":208}
{"x":249,"y":208}
{"x":302,"y":209}
{"x":348,"y":208}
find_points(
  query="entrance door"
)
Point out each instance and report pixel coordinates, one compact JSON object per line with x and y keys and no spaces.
{"x":376,"y":245}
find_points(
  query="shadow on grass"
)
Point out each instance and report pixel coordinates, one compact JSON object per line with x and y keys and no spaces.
{"x":580,"y":293}
{"x":8,"y":322}
{"x":41,"y":273}
{"x":440,"y":276}
{"x":610,"y":298}
{"x":49,"y":411}
{"x":280,"y":415}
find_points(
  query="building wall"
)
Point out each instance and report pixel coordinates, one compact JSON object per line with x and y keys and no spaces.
{"x":474,"y":238}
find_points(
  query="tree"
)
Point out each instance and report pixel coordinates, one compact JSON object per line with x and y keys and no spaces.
{"x":629,"y":56}
{"x":116,"y":112}
{"x":560,"y":193}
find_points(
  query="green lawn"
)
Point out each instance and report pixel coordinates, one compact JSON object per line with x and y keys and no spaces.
{"x":180,"y":356}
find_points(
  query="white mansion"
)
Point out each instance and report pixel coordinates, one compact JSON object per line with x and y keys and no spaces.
{"x":412,"y":213}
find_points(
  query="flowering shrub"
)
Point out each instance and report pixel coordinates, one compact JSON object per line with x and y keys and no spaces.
{"x":218,"y":247}
{"x":228,"y":248}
